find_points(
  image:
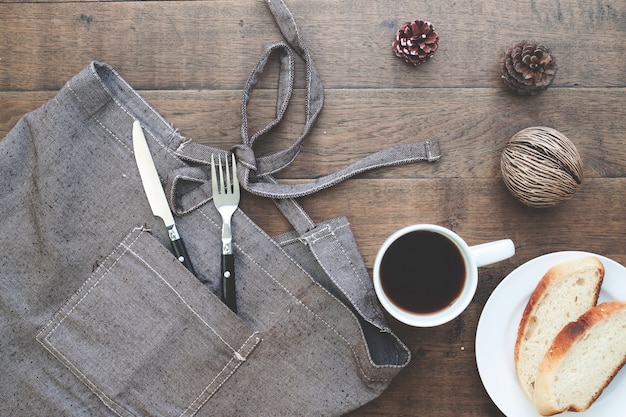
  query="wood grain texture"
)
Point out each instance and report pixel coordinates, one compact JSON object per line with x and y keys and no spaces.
{"x":212,"y":44}
{"x":191,"y":59}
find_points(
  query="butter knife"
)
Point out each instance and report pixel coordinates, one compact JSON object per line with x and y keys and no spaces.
{"x":155,"y":194}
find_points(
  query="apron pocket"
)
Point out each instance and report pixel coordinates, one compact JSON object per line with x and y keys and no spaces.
{"x":146,"y":336}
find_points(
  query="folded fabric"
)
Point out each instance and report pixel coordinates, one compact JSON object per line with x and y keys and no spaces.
{"x":98,"y":318}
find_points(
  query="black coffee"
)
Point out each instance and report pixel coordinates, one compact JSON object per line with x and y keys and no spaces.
{"x":422,"y":272}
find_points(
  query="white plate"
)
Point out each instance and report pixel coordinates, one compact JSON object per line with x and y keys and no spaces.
{"x":497,"y":330}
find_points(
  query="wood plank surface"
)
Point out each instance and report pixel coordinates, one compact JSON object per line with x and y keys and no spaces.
{"x":190,"y":60}
{"x":472,"y":125}
{"x":212,"y":44}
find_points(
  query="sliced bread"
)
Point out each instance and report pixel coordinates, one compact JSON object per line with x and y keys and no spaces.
{"x":564,"y":293}
{"x":583,"y":359}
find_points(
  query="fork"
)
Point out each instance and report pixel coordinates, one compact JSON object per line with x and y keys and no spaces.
{"x":226,"y":200}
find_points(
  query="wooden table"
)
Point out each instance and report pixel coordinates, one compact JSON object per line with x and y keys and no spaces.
{"x":190,"y":60}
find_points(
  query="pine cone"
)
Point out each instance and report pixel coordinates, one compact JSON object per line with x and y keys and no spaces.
{"x":527,"y":67}
{"x":416,"y":41}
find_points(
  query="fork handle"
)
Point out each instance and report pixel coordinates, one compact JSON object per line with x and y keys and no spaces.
{"x":228,"y":282}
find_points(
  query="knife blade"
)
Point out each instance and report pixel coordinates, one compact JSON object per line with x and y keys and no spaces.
{"x":155,"y":194}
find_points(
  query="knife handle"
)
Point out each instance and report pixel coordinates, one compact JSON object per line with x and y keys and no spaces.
{"x":228,"y":282}
{"x":181,"y":254}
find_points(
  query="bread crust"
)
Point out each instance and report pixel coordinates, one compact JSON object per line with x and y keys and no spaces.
{"x":553,"y":274}
{"x":543,"y":397}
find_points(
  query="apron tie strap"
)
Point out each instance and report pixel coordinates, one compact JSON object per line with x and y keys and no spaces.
{"x":256,"y":174}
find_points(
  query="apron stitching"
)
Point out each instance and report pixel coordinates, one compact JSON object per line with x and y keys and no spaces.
{"x":351,"y":347}
{"x":195,"y":313}
{"x":195,"y":409}
{"x":97,"y":120}
{"x":81,"y":376}
{"x":95,"y":284}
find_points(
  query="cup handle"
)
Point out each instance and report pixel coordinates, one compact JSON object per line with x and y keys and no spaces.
{"x":492,"y":252}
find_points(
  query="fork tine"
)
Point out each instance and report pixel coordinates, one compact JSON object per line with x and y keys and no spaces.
{"x":225,"y":181}
{"x":229,"y":189}
{"x":214,"y":186}
{"x":235,"y":180}
{"x":222,"y":185}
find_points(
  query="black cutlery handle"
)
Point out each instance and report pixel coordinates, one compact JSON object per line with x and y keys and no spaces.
{"x":181,"y":254}
{"x":228,"y":282}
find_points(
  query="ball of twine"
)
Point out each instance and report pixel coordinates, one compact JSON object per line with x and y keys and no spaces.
{"x":541,"y":167}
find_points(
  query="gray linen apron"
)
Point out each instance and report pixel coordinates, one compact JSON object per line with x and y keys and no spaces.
{"x":98,"y":318}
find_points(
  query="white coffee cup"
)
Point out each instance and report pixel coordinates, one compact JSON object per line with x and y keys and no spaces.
{"x":401,"y":269}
